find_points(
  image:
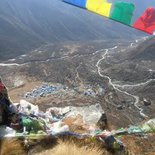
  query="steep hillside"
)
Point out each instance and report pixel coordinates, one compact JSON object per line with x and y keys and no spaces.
{"x":146,"y":51}
{"x":132,"y":72}
{"x":94,"y":72}
{"x":27,"y":24}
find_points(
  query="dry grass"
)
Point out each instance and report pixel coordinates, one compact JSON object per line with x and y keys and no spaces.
{"x":52,"y":147}
{"x":66,"y":148}
{"x":68,"y":145}
{"x":11,"y":147}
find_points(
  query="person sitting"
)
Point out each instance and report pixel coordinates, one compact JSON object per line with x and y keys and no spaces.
{"x":4,"y":111}
{"x":5,"y":105}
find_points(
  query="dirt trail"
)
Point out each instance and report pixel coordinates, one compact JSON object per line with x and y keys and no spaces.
{"x":116,"y":86}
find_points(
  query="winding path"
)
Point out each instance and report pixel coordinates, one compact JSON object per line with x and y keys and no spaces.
{"x":116,"y":86}
{"x":134,"y":85}
{"x":12,"y":64}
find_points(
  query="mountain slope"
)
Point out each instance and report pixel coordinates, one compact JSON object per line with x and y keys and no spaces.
{"x":27,"y":24}
{"x":146,"y":51}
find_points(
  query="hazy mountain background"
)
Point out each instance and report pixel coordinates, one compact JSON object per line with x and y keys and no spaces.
{"x":27,"y":24}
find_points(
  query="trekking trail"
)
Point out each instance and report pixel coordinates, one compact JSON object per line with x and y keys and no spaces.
{"x":13,"y":64}
{"x":116,"y":86}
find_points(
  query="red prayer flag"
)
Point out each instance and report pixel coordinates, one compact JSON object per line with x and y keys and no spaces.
{"x":146,"y":22}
